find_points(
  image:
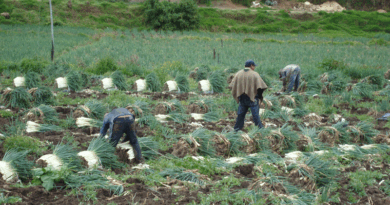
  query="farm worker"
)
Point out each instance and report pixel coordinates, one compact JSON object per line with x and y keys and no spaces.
{"x":121,"y":121}
{"x":247,"y":88}
{"x":290,"y":76}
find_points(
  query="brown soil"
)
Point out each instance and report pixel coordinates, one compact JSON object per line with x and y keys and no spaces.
{"x":303,"y":17}
{"x":38,"y":195}
{"x":225,"y":5}
{"x":359,"y":111}
{"x":195,"y":108}
{"x":84,"y":162}
{"x":123,"y":156}
{"x":51,"y":136}
{"x":144,"y":131}
{"x":4,"y":122}
{"x":180,"y":128}
{"x":165,"y":96}
{"x":81,"y":135}
{"x":138,"y":194}
{"x":186,"y":128}
{"x":161,"y":108}
{"x":342,"y":106}
{"x":182,"y":148}
{"x":141,"y":194}
{"x":2,"y":152}
{"x":63,"y":110}
{"x":86,"y":130}
{"x":245,"y":170}
{"x":374,"y":195}
{"x":75,"y":95}
{"x":41,"y":163}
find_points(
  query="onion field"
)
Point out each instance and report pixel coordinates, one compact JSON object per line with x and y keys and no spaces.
{"x":328,"y":143}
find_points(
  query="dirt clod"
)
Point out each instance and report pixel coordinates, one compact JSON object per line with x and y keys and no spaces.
{"x":245,"y":169}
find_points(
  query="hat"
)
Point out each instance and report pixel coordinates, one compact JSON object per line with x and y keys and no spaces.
{"x":248,"y":63}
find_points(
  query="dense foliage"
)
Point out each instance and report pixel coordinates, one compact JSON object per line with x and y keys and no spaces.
{"x":172,"y":16}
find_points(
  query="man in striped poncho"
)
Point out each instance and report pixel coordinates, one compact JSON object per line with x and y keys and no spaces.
{"x":290,"y":75}
{"x":247,"y":89}
{"x":121,"y":121}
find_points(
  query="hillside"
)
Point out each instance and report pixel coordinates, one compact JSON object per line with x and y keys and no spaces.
{"x":120,"y":15}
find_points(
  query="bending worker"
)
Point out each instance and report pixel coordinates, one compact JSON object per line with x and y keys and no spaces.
{"x":247,"y":89}
{"x":290,"y":76}
{"x":121,"y":121}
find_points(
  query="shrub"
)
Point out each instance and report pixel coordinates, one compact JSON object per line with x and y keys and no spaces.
{"x":332,"y":64}
{"x":34,"y":64}
{"x":105,"y":65}
{"x":380,"y":42}
{"x":172,"y":16}
{"x":263,"y":18}
{"x":284,"y":14}
{"x":4,"y":65}
{"x":372,"y":28}
{"x":243,"y":2}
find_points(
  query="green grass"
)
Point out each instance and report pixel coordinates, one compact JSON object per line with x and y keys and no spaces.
{"x":62,"y":99}
{"x":24,"y":143}
{"x":173,"y":52}
{"x":6,"y":114}
{"x":361,"y":179}
{"x":121,"y":16}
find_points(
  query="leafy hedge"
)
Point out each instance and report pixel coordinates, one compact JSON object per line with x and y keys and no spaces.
{"x":172,"y":16}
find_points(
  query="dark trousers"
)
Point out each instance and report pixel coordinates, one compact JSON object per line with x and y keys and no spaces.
{"x":244,"y":104}
{"x":125,"y":125}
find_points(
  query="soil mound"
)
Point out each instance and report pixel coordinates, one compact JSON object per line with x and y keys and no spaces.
{"x":245,"y":169}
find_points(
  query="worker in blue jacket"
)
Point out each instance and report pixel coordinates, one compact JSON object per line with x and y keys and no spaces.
{"x":121,"y":121}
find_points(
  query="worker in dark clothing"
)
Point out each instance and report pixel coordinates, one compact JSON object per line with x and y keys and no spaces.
{"x":247,"y":89}
{"x":121,"y":121}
